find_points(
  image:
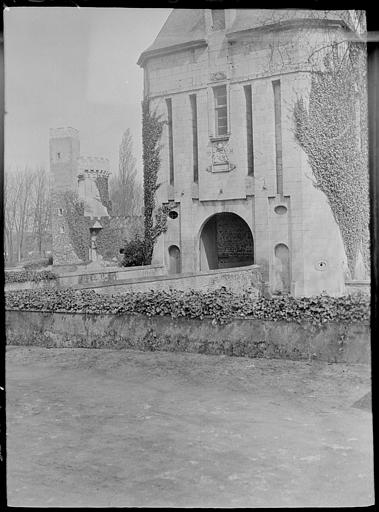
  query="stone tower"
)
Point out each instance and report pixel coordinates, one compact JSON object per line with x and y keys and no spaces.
{"x":87,"y":179}
{"x":64,"y":154}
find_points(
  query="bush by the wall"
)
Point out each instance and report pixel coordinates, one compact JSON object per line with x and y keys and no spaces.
{"x":221,"y":305}
{"x":29,"y":275}
{"x":135,"y":253}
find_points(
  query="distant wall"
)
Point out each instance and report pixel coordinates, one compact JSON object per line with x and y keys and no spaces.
{"x":236,"y":279}
{"x":81,"y":275}
{"x":333,"y":342}
{"x":353,"y":287}
{"x":106,"y":275}
{"x":30,"y":285}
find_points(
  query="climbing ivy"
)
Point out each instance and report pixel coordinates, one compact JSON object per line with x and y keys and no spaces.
{"x":152,"y":126}
{"x":335,"y":142}
{"x":78,"y":225}
{"x":102,"y":186}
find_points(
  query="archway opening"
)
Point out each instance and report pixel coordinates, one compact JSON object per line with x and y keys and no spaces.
{"x":174,"y":260}
{"x":225,"y":242}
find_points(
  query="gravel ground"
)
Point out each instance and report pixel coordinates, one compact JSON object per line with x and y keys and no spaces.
{"x":125,"y":428}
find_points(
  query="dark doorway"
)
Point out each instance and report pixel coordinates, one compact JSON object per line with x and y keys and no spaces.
{"x":226,"y":241}
{"x":174,"y":265}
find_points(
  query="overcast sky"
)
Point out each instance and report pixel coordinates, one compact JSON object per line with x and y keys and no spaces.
{"x":74,"y":67}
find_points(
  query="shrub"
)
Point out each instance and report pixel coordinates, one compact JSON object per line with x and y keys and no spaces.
{"x":134,"y":253}
{"x":221,"y":305}
{"x":29,"y":275}
{"x":37,"y":263}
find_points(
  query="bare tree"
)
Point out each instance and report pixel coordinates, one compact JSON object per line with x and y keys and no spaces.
{"x":24,"y":180}
{"x":41,"y":207}
{"x":125,"y":191}
{"x":10,"y":202}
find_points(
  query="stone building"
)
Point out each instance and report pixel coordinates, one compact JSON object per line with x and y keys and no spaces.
{"x":226,"y":82}
{"x":87,"y":179}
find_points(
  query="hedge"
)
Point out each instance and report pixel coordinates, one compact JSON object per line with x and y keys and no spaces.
{"x":222,"y":305}
{"x":29,"y":275}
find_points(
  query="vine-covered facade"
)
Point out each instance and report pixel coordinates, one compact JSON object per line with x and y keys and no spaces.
{"x":261,"y":152}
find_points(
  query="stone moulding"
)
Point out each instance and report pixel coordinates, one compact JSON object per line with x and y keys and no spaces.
{"x":333,"y":342}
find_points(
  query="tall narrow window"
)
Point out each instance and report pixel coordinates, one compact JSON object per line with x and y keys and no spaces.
{"x":218,"y":19}
{"x":278,"y":136}
{"x":221,"y":110}
{"x":195,"y":153}
{"x":170,"y":140}
{"x":249,"y":130}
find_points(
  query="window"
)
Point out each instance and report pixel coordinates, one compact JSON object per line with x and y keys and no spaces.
{"x":221,"y":110}
{"x":195,"y":153}
{"x":249,"y":130}
{"x":58,"y":156}
{"x":61,"y":229}
{"x":278,"y":136}
{"x":60,"y":211}
{"x":170,"y":140}
{"x":218,"y":19}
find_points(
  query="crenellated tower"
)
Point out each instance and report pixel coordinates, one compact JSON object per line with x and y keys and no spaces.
{"x":87,"y":179}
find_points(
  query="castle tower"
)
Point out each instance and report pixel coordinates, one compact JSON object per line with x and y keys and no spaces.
{"x":226,"y":83}
{"x":93,"y":174}
{"x":64,"y":154}
{"x":64,"y":148}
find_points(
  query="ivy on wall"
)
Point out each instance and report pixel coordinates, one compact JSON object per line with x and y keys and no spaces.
{"x":333,"y":133}
{"x":109,"y":240}
{"x":102,"y":186}
{"x":152,"y":127}
{"x":78,"y":225}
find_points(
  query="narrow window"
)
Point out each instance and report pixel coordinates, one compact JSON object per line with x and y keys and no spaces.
{"x":195,"y":153}
{"x":249,"y":130}
{"x":60,"y":211}
{"x":218,"y":19}
{"x":278,"y":136}
{"x":58,"y":156}
{"x":221,"y":110}
{"x":61,"y":229}
{"x":170,"y":140}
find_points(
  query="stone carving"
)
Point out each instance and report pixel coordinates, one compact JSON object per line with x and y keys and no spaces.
{"x":221,"y":156}
{"x":219,"y":75}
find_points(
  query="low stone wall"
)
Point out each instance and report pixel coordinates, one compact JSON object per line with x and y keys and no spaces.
{"x":27,"y":285}
{"x":352,"y":287}
{"x":110,"y":275}
{"x":82,"y":276}
{"x":333,"y":342}
{"x":236,"y":279}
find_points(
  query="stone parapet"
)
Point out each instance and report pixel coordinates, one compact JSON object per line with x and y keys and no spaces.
{"x":240,"y":337}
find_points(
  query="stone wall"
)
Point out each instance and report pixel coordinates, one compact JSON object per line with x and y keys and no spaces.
{"x":353,"y":287}
{"x":236,"y":279}
{"x":333,"y":342}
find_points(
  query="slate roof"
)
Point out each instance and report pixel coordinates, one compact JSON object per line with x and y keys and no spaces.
{"x":256,"y":18}
{"x":182,"y":26}
{"x":185,"y":26}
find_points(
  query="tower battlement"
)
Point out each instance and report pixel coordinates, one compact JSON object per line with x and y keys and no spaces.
{"x":93,"y":166}
{"x":64,"y":131}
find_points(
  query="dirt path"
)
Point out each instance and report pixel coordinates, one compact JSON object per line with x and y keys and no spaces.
{"x":121,"y":428}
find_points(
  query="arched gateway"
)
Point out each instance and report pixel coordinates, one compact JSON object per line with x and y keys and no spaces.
{"x":225,"y":241}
